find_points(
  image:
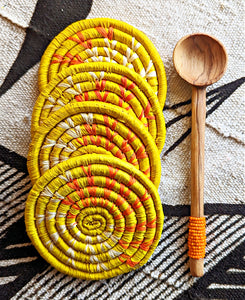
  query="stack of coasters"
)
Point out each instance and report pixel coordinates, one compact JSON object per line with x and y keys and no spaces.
{"x":97,"y":130}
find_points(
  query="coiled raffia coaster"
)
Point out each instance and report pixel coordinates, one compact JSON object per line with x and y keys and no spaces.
{"x":109,"y":40}
{"x":94,"y":217}
{"x":104,"y":82}
{"x":93,"y":127}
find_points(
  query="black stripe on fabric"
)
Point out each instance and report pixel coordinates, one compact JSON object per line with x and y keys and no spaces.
{"x":234,"y":242}
{"x":211,"y":250}
{"x":166,"y":227}
{"x":230,"y":234}
{"x":162,"y":250}
{"x":21,"y":212}
{"x":13,"y":159}
{"x":176,"y":119}
{"x":18,"y":189}
{"x":10,"y":177}
{"x":13,"y":183}
{"x":91,"y":282}
{"x":43,"y":284}
{"x":173,"y":241}
{"x":209,"y":209}
{"x":72,"y":288}
{"x":223,"y":93}
{"x":216,"y":228}
{"x":14,"y":206}
{"x":222,"y":231}
{"x":180,"y":256}
{"x":177,"y":105}
{"x":211,"y":218}
{"x":5,"y":171}
{"x":98,"y":288}
{"x":39,"y":278}
{"x":53,"y":284}
{"x":175,"y":144}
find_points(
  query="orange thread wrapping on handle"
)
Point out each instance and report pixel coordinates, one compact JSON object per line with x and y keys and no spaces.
{"x":197,"y":237}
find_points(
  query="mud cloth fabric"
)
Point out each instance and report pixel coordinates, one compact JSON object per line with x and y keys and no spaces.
{"x":27,"y":27}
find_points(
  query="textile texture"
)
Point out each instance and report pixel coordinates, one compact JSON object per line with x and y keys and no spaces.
{"x":26,"y":28}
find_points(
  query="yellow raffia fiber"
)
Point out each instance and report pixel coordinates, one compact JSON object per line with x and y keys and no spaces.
{"x":94,"y":217}
{"x":114,"y":41}
{"x":104,"y":82}
{"x":78,"y":127}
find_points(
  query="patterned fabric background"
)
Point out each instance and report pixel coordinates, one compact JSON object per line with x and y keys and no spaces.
{"x":26,"y":28}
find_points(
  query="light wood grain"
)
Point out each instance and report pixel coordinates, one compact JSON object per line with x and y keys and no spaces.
{"x":201,"y":60}
{"x":198,"y":117}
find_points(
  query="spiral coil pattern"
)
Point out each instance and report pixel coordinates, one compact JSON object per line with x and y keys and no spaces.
{"x":107,"y":40}
{"x":103,"y":82}
{"x":77,"y":129}
{"x":94,"y":217}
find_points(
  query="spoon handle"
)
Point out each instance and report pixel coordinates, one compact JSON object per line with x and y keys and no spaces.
{"x":197,"y":239}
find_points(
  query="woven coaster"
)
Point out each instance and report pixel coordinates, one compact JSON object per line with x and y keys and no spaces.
{"x":93,"y":127}
{"x":94,"y":217}
{"x":108,"y":40}
{"x":104,"y":82}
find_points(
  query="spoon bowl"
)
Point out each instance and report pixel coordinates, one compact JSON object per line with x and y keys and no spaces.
{"x":200,"y":59}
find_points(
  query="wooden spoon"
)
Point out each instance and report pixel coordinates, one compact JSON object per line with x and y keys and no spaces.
{"x":201,"y":60}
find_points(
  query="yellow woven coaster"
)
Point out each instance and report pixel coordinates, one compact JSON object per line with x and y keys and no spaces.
{"x":93,"y":127}
{"x":94,"y":217}
{"x":108,"y":40}
{"x":104,"y":82}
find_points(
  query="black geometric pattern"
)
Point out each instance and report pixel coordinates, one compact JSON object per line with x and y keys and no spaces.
{"x":25,"y":275}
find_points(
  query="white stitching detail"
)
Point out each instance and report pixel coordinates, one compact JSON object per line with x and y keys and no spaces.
{"x":44,"y":165}
{"x":88,"y":118}
{"x":70,"y":81}
{"x":135,"y":47}
{"x":72,"y":92}
{"x":63,"y":84}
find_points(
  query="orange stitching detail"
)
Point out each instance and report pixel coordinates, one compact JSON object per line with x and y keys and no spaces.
{"x":99,"y":96}
{"x":112,"y":171}
{"x":103,"y":32}
{"x":147,"y":111}
{"x":124,"y":244}
{"x":137,"y":204}
{"x":152,"y":224}
{"x":132,"y":180}
{"x":79,"y":98}
{"x":119,"y":200}
{"x":74,"y":185}
{"x":110,"y":183}
{"x":141,"y":226}
{"x":147,"y":171}
{"x":107,"y":193}
{"x":70,"y":215}
{"x":130,"y":228}
{"x":58,"y":57}
{"x":128,"y":211}
{"x":146,"y":245}
{"x":81,"y":40}
{"x":132,"y":138}
{"x":92,"y":190}
{"x":145,"y":197}
{"x":140,"y":153}
{"x":100,"y":85}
